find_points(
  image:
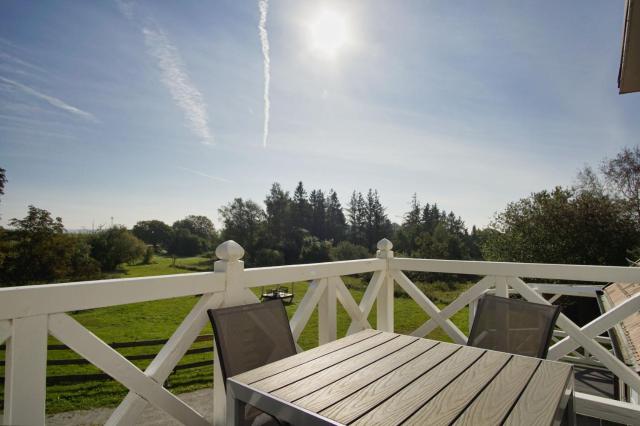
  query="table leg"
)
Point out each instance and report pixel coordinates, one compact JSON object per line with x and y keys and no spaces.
{"x":235,"y":409}
{"x":571,"y":411}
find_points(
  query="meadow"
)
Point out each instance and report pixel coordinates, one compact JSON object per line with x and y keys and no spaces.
{"x":158,"y":320}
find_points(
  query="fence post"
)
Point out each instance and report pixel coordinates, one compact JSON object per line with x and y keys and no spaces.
{"x":26,"y":372}
{"x":229,"y":264}
{"x":327,"y":314}
{"x":502,"y":288}
{"x":473,"y":305}
{"x":385,"y":296}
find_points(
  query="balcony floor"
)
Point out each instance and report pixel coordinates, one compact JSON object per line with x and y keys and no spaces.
{"x":596,"y":382}
{"x":201,"y":401}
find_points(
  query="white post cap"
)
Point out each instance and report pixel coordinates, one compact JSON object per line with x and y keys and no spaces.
{"x":229,"y":251}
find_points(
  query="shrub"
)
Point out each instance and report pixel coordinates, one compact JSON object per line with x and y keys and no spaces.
{"x":114,"y":246}
{"x":315,"y":250}
{"x":148,"y":256}
{"x":269,"y":257}
{"x":346,"y":250}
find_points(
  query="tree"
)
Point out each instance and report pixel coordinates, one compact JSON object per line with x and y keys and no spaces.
{"x":429,"y":232}
{"x":336,"y":223}
{"x":200,"y":226}
{"x":154,"y":232}
{"x":278,"y":205}
{"x":37,"y":223}
{"x":408,"y":236}
{"x":244,"y":223}
{"x":301,"y":210}
{"x":185,"y":243}
{"x":3,"y":180}
{"x":378,"y":225}
{"x":38,"y":250}
{"x":114,"y":246}
{"x":563,"y":226}
{"x":587,"y":180}
{"x":356,"y":213}
{"x":622,"y":175}
{"x":318,"y":214}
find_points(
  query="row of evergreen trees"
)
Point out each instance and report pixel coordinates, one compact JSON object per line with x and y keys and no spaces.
{"x":313,"y":227}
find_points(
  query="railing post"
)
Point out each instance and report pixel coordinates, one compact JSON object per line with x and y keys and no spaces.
{"x":229,"y":264}
{"x":385,"y":296}
{"x":502,"y":288}
{"x":26,"y":372}
{"x":473,"y":305}
{"x":327,"y":314}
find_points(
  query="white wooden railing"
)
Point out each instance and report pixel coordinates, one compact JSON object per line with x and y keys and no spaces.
{"x":29,"y":314}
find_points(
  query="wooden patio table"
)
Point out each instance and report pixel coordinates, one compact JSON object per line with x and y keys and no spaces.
{"x":379,"y":378}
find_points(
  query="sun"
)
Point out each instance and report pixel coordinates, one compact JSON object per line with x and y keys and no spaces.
{"x":329,"y":33}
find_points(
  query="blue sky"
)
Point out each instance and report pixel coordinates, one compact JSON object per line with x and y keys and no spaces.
{"x":145,"y":109}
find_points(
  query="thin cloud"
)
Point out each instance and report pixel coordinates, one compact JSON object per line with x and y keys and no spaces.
{"x":58,"y":103}
{"x":175,"y":77}
{"x":264,"y":41}
{"x":126,"y":8}
{"x":196,"y":172}
{"x":7,"y":58}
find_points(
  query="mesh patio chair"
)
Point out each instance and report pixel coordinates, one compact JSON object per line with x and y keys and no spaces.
{"x":250,"y":336}
{"x":514,"y":326}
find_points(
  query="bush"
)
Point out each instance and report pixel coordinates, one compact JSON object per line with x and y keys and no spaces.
{"x":114,"y":246}
{"x":148,"y":256}
{"x":315,"y":250}
{"x":269,"y":257}
{"x":346,"y":250}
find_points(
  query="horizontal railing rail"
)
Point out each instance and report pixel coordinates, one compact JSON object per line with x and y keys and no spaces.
{"x":29,"y":314}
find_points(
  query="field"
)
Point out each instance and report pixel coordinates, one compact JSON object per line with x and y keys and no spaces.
{"x":158,"y":319}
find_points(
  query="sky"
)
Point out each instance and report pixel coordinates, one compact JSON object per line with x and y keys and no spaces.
{"x":137,"y":110}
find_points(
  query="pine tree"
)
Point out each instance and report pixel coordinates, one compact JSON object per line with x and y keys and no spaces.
{"x":357,"y":219}
{"x":408,"y":236}
{"x":318,"y":214}
{"x":278,"y":205}
{"x":301,"y":210}
{"x":336,"y":224}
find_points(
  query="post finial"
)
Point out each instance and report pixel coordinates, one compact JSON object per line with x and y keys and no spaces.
{"x":384,"y":249}
{"x":384,"y":245}
{"x":229,"y":251}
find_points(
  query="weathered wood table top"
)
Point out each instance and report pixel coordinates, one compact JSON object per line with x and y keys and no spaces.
{"x":380,"y":378}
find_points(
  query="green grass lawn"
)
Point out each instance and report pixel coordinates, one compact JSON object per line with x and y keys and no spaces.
{"x":158,"y":320}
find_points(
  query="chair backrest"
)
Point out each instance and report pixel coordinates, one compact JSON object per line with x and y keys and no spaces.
{"x":515,"y":326}
{"x":250,"y":336}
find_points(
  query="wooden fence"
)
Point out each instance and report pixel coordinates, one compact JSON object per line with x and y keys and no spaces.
{"x":78,"y":378}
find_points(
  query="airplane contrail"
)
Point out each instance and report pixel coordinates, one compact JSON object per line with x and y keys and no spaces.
{"x":264,"y":41}
{"x":174,"y":75}
{"x":51,"y":100}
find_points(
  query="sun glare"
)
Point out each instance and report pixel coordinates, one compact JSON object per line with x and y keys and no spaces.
{"x":329,"y":33}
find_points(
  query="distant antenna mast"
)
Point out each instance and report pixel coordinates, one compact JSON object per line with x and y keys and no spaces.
{"x":112,"y":221}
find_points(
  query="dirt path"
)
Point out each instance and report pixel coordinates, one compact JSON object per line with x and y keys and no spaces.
{"x":201,"y":401}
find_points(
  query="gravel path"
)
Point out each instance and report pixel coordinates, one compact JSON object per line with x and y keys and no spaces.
{"x":201,"y":401}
